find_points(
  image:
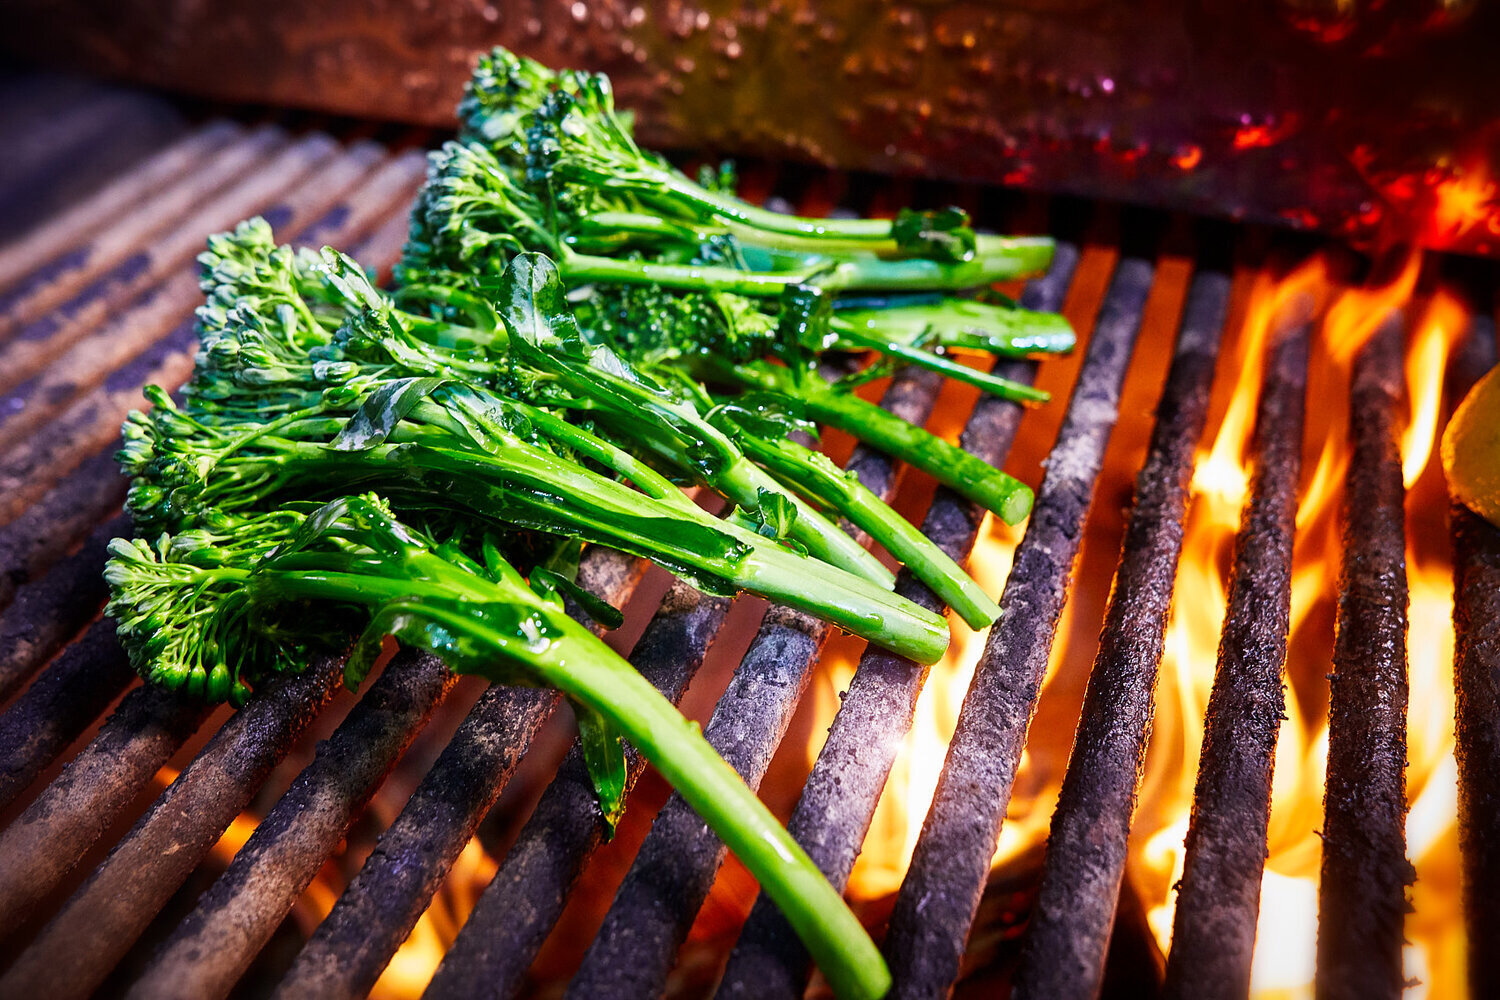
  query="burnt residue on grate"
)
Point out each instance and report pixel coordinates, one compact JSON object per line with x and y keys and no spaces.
{"x":1068,"y":936}
{"x":76,"y":950}
{"x":1218,"y":902}
{"x":46,"y":842}
{"x":351,"y":947}
{"x":1362,"y":890}
{"x":533,"y":883}
{"x":940,"y":895}
{"x":1476,"y":674}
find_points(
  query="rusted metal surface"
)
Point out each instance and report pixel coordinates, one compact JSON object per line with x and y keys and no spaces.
{"x":1476,"y":677}
{"x":1068,"y":937}
{"x":116,"y":248}
{"x":1218,"y":902}
{"x":157,"y":310}
{"x":937,"y":901}
{"x":51,"y":610}
{"x":53,"y":524}
{"x":1360,"y":122}
{"x":350,"y":948}
{"x":41,"y":846}
{"x":154,"y":342}
{"x":71,"y":956}
{"x":269,"y":178}
{"x":68,"y":232}
{"x":839,"y":798}
{"x":80,"y":684}
{"x":210,"y":949}
{"x":1362,"y":888}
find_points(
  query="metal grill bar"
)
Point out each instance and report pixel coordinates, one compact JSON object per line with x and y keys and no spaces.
{"x":1213,"y":935}
{"x":79,"y":277}
{"x":940,"y":895}
{"x":351,"y":947}
{"x":92,"y":421}
{"x":45,"y":843}
{"x":1362,"y":891}
{"x":62,"y":154}
{"x":216,"y":943}
{"x":259,"y":192}
{"x":1476,"y":674}
{"x":70,"y":230}
{"x":839,"y":799}
{"x":84,"y":941}
{"x":1075,"y":909}
{"x":158,"y":309}
{"x":89,"y":675}
{"x":634,"y":951}
{"x":44,"y":533}
{"x":47,"y":613}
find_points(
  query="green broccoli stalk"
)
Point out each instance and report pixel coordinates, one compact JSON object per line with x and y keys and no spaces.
{"x":436,"y":444}
{"x":473,"y":216}
{"x":547,"y":361}
{"x":559,"y":130}
{"x":809,"y":395}
{"x":814,"y":475}
{"x":254,"y":593}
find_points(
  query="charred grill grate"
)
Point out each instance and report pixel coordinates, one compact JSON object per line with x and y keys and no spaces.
{"x":81,"y":334}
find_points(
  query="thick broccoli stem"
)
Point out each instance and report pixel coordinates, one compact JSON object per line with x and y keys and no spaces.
{"x":589,"y":672}
{"x":682,"y":438}
{"x":960,"y":324}
{"x":992,"y":384}
{"x":537,"y":491}
{"x":742,"y":482}
{"x":802,"y":469}
{"x":1009,"y":498}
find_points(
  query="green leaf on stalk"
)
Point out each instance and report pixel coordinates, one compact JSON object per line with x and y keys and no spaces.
{"x":546,"y":582}
{"x":604,"y":756}
{"x":775,"y":514}
{"x":941,"y":234}
{"x":373,"y":422}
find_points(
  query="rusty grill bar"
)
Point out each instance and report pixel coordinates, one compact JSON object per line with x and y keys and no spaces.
{"x":111,"y":310}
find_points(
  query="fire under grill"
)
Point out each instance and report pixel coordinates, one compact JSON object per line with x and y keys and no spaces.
{"x":157,"y":850}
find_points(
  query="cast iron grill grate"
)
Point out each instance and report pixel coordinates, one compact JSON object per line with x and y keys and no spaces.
{"x":110,"y":310}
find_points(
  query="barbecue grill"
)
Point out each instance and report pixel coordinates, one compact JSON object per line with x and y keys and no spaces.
{"x":115,"y":797}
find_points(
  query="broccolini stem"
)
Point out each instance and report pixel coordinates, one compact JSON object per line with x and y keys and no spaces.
{"x":1008,"y":257}
{"x":959,"y":323}
{"x":589,"y":672}
{"x":741,"y":483}
{"x":1019,"y":257}
{"x":535,"y":491}
{"x":981,"y":482}
{"x":928,"y":563}
{"x":731,"y":209}
{"x":993,"y":384}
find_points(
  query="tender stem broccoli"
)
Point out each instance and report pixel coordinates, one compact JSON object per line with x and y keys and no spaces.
{"x":435,"y":444}
{"x":260,"y":590}
{"x":819,"y":400}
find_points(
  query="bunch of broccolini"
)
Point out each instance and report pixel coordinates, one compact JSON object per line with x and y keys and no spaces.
{"x":579,"y":332}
